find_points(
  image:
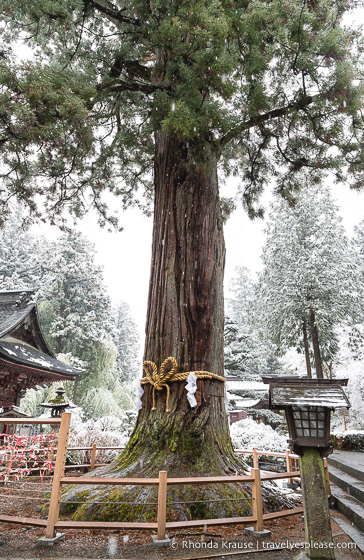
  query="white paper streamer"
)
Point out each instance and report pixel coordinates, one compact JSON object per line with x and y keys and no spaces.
{"x":191,"y":388}
{"x":139,"y":394}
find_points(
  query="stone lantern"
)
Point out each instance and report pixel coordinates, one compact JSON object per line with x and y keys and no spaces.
{"x":59,"y":404}
{"x":307,"y":404}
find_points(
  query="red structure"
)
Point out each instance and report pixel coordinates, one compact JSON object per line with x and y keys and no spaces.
{"x":25,"y":357}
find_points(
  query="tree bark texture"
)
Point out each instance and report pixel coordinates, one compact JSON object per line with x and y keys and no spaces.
{"x":185,"y":316}
{"x":185,"y":320}
{"x":316,"y":345}
{"x":307,"y":350}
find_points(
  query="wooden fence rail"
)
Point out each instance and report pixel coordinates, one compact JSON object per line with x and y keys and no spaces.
{"x":162,"y":482}
{"x":255,"y":452}
{"x":256,"y":477}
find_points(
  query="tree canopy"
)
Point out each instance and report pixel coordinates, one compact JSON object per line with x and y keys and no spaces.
{"x":272,"y":88}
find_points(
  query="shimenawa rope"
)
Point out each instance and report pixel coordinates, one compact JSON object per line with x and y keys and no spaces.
{"x":159,"y":380}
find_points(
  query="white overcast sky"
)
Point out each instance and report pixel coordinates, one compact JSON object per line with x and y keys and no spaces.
{"x":125,"y":256}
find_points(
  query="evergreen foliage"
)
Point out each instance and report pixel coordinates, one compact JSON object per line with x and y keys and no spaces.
{"x":309,"y":283}
{"x":22,"y":255}
{"x":126,"y":340}
{"x":75,"y":311}
{"x":270,"y":88}
{"x":248,"y":351}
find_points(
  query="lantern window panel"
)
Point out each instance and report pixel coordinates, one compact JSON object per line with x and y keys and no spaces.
{"x":309,"y":421}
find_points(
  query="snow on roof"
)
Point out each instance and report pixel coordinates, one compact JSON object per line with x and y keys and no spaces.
{"x":15,"y":306}
{"x":11,"y":315}
{"x":25,"y":354}
{"x":246,"y":403}
{"x":319,"y":395}
{"x":248,"y":385}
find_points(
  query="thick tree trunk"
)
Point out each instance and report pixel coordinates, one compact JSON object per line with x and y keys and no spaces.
{"x":185,"y":320}
{"x":316,"y":345}
{"x":185,"y":317}
{"x":307,"y":351}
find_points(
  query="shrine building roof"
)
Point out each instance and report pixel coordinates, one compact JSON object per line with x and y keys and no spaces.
{"x":22,"y":341}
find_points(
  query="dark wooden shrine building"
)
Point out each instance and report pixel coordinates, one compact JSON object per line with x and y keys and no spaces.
{"x":25,"y":357}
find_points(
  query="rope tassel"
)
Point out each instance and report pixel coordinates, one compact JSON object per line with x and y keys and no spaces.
{"x":160,"y":380}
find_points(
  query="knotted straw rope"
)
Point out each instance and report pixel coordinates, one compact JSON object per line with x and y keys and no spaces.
{"x":159,"y":380}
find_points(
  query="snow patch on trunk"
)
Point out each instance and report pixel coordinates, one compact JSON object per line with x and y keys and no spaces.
{"x":139,"y":394}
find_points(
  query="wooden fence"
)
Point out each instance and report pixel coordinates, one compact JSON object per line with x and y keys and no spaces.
{"x":288,"y":456}
{"x":52,"y":524}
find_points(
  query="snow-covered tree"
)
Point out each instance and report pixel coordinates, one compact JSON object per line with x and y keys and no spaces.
{"x":30,"y":403}
{"x":127,"y":343}
{"x":22,"y":254}
{"x":75,"y":310}
{"x":309,"y":283}
{"x":349,"y":364}
{"x":248,"y":351}
{"x":359,"y":245}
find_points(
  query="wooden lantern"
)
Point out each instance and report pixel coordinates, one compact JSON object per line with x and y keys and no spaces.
{"x":307,"y":404}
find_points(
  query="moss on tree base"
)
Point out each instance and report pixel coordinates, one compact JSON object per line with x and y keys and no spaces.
{"x":185,"y":443}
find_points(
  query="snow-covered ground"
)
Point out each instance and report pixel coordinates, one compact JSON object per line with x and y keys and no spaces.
{"x":247,"y":434}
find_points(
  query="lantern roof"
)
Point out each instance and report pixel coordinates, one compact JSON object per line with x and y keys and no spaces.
{"x":288,"y":391}
{"x":59,"y":401}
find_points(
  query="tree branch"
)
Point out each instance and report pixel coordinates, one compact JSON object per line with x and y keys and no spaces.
{"x":234,"y":132}
{"x":112,"y":12}
{"x":118,"y":86}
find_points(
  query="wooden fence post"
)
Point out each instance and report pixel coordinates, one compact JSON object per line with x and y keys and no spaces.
{"x":58,"y":473}
{"x":9,"y":460}
{"x":327,"y":478}
{"x":50,"y":457}
{"x":162,"y":506}
{"x":289,"y":465}
{"x":93,"y":457}
{"x":255,"y":458}
{"x":257,"y":500}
